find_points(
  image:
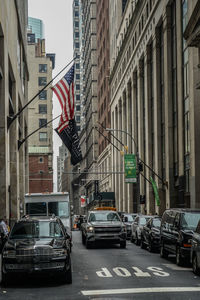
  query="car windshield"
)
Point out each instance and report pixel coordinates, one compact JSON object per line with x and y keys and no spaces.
{"x":156,"y":223}
{"x":38,"y":229}
{"x":143,"y":220}
{"x":130,"y":218}
{"x":103,"y":216}
{"x":190,"y":220}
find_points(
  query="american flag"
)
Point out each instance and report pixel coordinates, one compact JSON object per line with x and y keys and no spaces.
{"x":67,"y":130}
{"x":64,"y":91}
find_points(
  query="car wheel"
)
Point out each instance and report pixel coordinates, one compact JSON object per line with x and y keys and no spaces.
{"x":83,"y":239}
{"x":3,"y":277}
{"x":179,"y":258}
{"x":132,"y":239}
{"x":137,"y":241}
{"x":142,"y":244}
{"x":195,"y":267}
{"x":88,"y":244}
{"x":123,"y":244}
{"x":163,"y":252}
{"x":68,"y":274}
{"x":150,"y":246}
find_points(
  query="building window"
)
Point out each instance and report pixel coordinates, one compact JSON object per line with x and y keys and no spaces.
{"x":42,"y":108}
{"x":77,"y":66}
{"x":43,"y":68}
{"x":41,"y":160}
{"x":42,"y":81}
{"x":77,"y":76}
{"x":76,"y":45}
{"x":76,"y":24}
{"x":78,"y":97}
{"x":43,"y":123}
{"x":77,"y":86}
{"x":78,"y":108}
{"x":43,"y":136}
{"x":78,"y":118}
{"x":43,"y":95}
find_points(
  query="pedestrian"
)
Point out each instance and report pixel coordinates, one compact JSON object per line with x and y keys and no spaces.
{"x":3,"y":232}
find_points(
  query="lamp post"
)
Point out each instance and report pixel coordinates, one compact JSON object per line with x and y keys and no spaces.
{"x":137,"y":159}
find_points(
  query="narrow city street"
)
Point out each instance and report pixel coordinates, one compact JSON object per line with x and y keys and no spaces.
{"x":108,"y":272}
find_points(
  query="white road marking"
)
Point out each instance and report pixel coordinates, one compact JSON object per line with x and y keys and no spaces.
{"x":176,"y":268}
{"x":141,"y":290}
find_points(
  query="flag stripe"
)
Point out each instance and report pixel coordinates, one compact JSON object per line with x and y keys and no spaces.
{"x":67,"y":99}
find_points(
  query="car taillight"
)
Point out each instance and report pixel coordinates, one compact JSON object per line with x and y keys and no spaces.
{"x":187,"y":245}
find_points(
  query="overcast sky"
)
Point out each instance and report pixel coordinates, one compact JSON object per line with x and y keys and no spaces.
{"x":58,"y":34}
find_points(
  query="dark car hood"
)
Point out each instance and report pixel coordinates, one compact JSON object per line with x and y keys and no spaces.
{"x":106,"y":223}
{"x":32,"y":243}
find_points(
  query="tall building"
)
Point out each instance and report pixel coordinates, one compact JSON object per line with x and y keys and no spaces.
{"x":63,"y":154}
{"x":40,"y":113}
{"x":36,"y":26}
{"x":14,"y":78}
{"x":103,"y":95}
{"x":154,"y":105}
{"x":76,"y":46}
{"x":90,"y":94}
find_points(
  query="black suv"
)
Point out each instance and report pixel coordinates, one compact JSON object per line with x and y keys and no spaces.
{"x":176,"y":231}
{"x":37,"y":244}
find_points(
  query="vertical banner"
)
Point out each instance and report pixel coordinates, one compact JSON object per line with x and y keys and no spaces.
{"x":83,"y":201}
{"x":130,"y":168}
{"x":155,"y":189}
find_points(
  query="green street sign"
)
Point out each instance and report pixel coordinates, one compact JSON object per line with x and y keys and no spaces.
{"x":155,"y":189}
{"x":130,"y":168}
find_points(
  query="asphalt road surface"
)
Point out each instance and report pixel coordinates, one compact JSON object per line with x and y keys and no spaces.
{"x":108,"y":273}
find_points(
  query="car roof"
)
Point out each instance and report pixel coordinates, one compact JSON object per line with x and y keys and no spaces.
{"x":28,"y":218}
{"x":103,"y":210}
{"x":184,"y":209}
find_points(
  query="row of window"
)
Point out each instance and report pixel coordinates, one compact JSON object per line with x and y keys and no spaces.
{"x":137,"y":34}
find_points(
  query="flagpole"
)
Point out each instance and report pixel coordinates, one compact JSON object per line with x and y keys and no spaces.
{"x":44,"y":125}
{"x":10,"y":119}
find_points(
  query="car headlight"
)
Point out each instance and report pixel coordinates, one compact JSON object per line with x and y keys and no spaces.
{"x":9,"y":253}
{"x":90,"y":229}
{"x":60,"y":252}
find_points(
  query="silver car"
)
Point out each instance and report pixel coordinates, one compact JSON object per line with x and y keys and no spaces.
{"x":137,"y":226}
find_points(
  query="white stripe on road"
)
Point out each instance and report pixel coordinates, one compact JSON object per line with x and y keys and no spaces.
{"x":141,"y":290}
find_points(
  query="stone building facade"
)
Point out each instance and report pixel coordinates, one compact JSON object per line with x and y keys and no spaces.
{"x":40,"y":112}
{"x":103,"y":96}
{"x":154,"y":105}
{"x":14,"y":78}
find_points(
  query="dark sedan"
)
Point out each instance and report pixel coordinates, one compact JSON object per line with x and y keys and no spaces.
{"x":195,"y":251}
{"x":150,"y":235}
{"x":37,"y":245}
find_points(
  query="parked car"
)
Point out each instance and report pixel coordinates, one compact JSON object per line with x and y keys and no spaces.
{"x":137,"y":226}
{"x":103,"y":226}
{"x":36,"y":245}
{"x":150,"y":235}
{"x":176,"y":231}
{"x":128,"y":219}
{"x":195,"y":251}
